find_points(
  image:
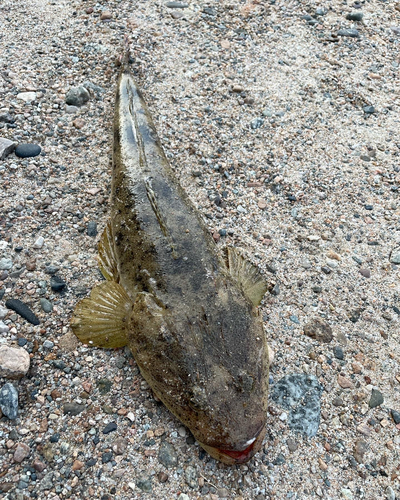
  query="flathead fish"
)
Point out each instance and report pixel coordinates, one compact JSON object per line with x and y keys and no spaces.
{"x":189,"y":315}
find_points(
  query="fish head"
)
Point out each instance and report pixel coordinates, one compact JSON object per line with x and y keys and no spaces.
{"x":210,"y":368}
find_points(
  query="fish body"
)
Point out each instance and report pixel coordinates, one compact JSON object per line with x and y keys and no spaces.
{"x":188,"y":315}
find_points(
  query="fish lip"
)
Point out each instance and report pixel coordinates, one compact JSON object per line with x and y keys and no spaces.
{"x":241,"y":456}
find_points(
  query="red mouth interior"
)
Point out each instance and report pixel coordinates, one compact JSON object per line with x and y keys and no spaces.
{"x":238,"y":455}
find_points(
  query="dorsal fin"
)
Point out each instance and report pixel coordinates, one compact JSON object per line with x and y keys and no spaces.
{"x":247,"y":276}
{"x":107,"y":258}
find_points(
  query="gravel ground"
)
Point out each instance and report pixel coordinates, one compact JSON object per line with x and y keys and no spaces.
{"x":281,"y":121}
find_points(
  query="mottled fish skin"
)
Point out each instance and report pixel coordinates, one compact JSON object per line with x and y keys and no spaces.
{"x":198,"y":341}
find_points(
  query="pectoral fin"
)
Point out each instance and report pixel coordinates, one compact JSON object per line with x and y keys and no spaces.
{"x":102,"y":319}
{"x":247,"y":275}
{"x":107,"y":258}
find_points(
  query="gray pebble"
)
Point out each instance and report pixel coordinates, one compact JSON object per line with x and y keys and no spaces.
{"x":338,"y":352}
{"x":3,"y":327}
{"x":71,"y":110}
{"x":73,"y":408}
{"x":144,"y":484}
{"x":300,"y":394}
{"x":352,"y":33}
{"x":92,"y":229}
{"x":9,"y":401}
{"x":396,"y":416}
{"x":395,"y":256}
{"x":390,"y":494}
{"x":369,"y":110}
{"x":191,"y":477}
{"x":48,"y":344}
{"x":6,"y":264}
{"x":6,"y":147}
{"x":27,"y":150}
{"x":355,"y":16}
{"x":256,"y":123}
{"x":167,"y":455}
{"x":77,"y":96}
{"x":177,"y":5}
{"x":3,"y":312}
{"x":360,"y":448}
{"x":46,"y":305}
{"x":376,"y":399}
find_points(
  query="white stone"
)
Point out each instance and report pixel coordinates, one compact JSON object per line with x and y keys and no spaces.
{"x":3,"y":327}
{"x":14,"y":362}
{"x":6,"y":147}
{"x":39,"y":242}
{"x":27,"y":96}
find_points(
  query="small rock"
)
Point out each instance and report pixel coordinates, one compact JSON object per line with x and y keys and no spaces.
{"x":376,"y":399}
{"x":344,"y":382}
{"x":256,"y":123}
{"x":39,"y":242}
{"x":21,"y":452}
{"x":338,"y":352}
{"x":394,"y":256}
{"x":191,"y":477}
{"x":38,"y":465}
{"x":46,"y":305}
{"x":27,"y":96}
{"x":319,"y":330}
{"x":77,"y":96}
{"x":14,"y":362}
{"x":144,"y":484}
{"x":57,"y":284}
{"x":167,"y":455}
{"x":360,"y":448}
{"x":119,"y":446}
{"x":77,"y":465}
{"x":106,"y":15}
{"x":355,"y":16}
{"x":92,"y":229}
{"x":23,"y":310}
{"x":177,"y":5}
{"x":369,"y":110}
{"x":390,"y":494}
{"x":365,"y":272}
{"x":71,"y":110}
{"x":111,"y":427}
{"x":396,"y":416}
{"x":9,"y":401}
{"x":6,"y":147}
{"x":292,"y":445}
{"x":78,"y":123}
{"x":222,"y":493}
{"x":352,"y":33}
{"x":48,"y":344}
{"x":27,"y":150}
{"x":73,"y":408}
{"x":162,"y":477}
{"x":106,"y":457}
{"x":5,"y":264}
{"x":3,"y":328}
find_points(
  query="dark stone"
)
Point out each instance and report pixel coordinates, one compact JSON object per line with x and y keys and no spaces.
{"x":355,"y":315}
{"x":91,"y":462}
{"x":326,"y":270}
{"x":396,"y":416}
{"x":27,"y":150}
{"x":111,"y":427}
{"x":23,"y":310}
{"x":92,"y":229}
{"x":300,"y":394}
{"x":355,"y":16}
{"x":77,"y":96}
{"x":167,"y":455}
{"x":73,"y":408}
{"x":57,"y":284}
{"x":376,"y":399}
{"x":369,"y":110}
{"x":104,"y":385}
{"x":279,"y":460}
{"x":106,"y":457}
{"x":55,"y":438}
{"x":144,"y":484}
{"x":338,"y":352}
{"x":21,"y":342}
{"x":9,"y":401}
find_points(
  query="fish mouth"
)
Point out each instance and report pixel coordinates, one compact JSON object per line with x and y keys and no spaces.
{"x":232,"y":457}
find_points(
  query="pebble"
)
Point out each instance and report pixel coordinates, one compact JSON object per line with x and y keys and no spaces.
{"x":27,"y":96}
{"x":106,"y":15}
{"x":319,"y":330}
{"x":46,"y":305}
{"x":48,"y":344}
{"x":77,"y":96}
{"x":92,"y":229}
{"x":292,"y":445}
{"x":6,"y":264}
{"x":145,"y":484}
{"x":23,"y":310}
{"x":352,"y":33}
{"x":369,"y":110}
{"x":396,"y":416}
{"x":256,"y":123}
{"x":344,"y":382}
{"x":39,"y":242}
{"x":27,"y":150}
{"x":167,"y":455}
{"x":22,"y":451}
{"x":360,"y":448}
{"x":365,"y":272}
{"x":355,"y":16}
{"x":57,"y":284}
{"x":300,"y":394}
{"x":3,"y":328}
{"x":71,"y":110}
{"x":73,"y":408}
{"x":191,"y":477}
{"x":9,"y":401}
{"x":394,"y":256}
{"x":14,"y":362}
{"x":111,"y":427}
{"x":6,"y":147}
{"x":376,"y":398}
{"x":177,"y":5}
{"x":338,"y":352}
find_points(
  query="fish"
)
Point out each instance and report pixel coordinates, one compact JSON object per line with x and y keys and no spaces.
{"x":188,"y":312}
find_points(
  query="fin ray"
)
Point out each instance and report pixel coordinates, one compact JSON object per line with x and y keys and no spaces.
{"x":247,"y":275}
{"x":107,"y":258}
{"x":102,"y":319}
